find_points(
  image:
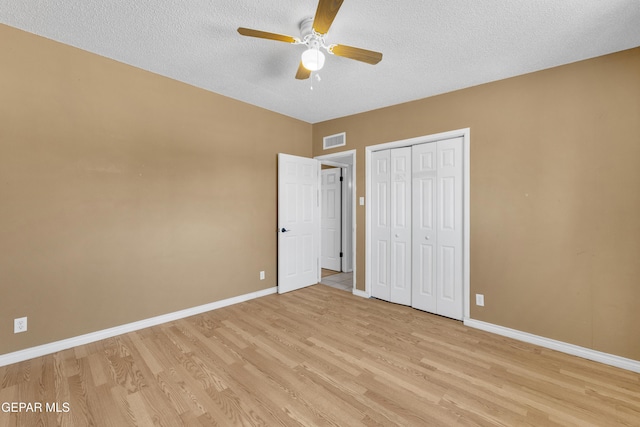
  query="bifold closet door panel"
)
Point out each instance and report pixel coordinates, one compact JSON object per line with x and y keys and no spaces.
{"x":437,"y":227}
{"x":424,"y":295}
{"x":400,"y":269}
{"x":391,"y":225}
{"x":449,"y":223}
{"x":380,"y":224}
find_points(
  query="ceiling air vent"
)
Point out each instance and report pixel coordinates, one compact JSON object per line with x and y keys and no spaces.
{"x":332,"y":141}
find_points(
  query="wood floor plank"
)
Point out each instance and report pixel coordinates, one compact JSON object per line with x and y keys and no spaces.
{"x":318,"y":356}
{"x":104,"y":408}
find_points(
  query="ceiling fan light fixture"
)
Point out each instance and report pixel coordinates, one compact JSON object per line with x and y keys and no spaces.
{"x":313,"y":59}
{"x":312,"y":33}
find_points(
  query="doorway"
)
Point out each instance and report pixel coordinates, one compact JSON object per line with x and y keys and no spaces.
{"x":344,"y":276}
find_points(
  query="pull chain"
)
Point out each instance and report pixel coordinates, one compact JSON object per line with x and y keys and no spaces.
{"x":317,"y":76}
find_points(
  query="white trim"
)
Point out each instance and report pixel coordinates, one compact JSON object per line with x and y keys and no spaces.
{"x":332,"y":163}
{"x":359,"y":293}
{"x":326,"y":159}
{"x":466,"y":218}
{"x":465,"y":133}
{"x":347,"y":207}
{"x":41,"y":350}
{"x":367,"y":222}
{"x":575,"y":350}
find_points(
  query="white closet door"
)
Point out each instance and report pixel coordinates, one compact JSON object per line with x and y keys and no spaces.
{"x":416,"y":229}
{"x":449,"y":213}
{"x":424,"y":227}
{"x":331,"y":219}
{"x":400,"y":269}
{"x":437,"y":228}
{"x":380,"y":224}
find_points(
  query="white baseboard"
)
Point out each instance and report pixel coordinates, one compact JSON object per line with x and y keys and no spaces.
{"x":575,"y":350}
{"x":41,"y":350}
{"x":359,"y":293}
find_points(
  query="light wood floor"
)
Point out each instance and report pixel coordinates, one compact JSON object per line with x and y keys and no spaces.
{"x":318,"y":356}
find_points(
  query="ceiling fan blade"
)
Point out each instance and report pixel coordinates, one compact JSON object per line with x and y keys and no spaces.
{"x":364,"y":55}
{"x":325,"y":14}
{"x":265,"y":35}
{"x":302,"y":73}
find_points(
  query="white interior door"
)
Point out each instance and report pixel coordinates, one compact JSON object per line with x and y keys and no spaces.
{"x":400,"y":226}
{"x":380,"y":224}
{"x":298,"y":222}
{"x":437,"y":227}
{"x":449,"y":215}
{"x":424,"y":227}
{"x":331,"y":219}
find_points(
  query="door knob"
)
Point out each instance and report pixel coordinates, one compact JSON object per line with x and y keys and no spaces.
{"x":427,"y":237}
{"x":284,"y":230}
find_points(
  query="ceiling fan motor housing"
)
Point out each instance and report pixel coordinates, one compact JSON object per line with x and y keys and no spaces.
{"x":306,"y":28}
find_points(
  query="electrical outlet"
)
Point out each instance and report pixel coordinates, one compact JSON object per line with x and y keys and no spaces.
{"x":480,"y":300}
{"x":19,"y":325}
{"x":262,"y":275}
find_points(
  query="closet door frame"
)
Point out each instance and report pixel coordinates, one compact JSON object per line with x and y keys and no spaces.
{"x":465,"y":134}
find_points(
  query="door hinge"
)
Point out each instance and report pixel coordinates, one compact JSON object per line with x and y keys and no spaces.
{"x":341,"y":255}
{"x":341,"y":179}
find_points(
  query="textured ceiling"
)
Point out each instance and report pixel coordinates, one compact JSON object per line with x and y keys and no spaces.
{"x":429,"y":47}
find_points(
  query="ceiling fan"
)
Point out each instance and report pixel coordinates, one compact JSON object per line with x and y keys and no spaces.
{"x":312,"y":33}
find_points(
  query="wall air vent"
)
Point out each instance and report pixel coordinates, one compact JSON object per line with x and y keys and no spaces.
{"x":332,"y":141}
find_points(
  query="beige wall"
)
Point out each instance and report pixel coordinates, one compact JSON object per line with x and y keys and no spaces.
{"x":555,"y":195}
{"x":125,"y":195}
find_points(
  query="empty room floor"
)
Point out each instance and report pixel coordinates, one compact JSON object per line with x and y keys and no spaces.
{"x":318,"y":356}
